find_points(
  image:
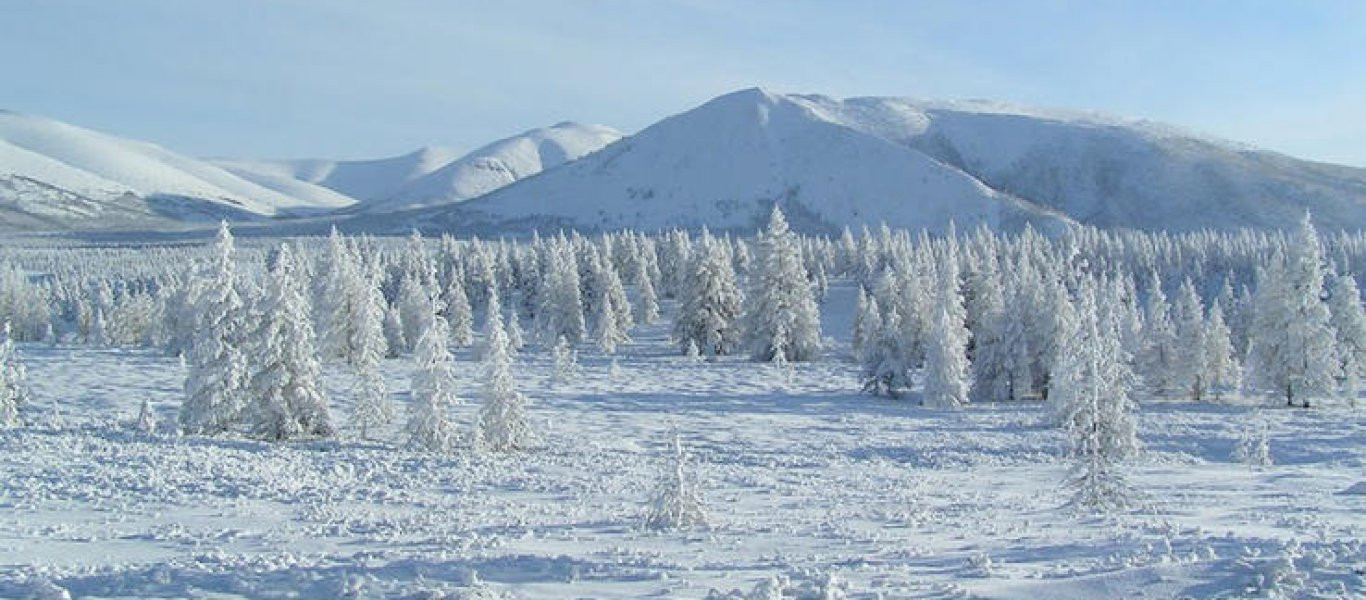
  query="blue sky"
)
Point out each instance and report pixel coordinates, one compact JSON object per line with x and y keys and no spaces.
{"x":350,"y":79}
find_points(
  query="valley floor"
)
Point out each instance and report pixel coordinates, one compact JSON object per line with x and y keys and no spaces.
{"x":808,"y":485}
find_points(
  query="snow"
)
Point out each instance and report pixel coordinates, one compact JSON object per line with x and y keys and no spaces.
{"x":433,"y":175}
{"x":103,"y":167}
{"x":914,"y":164}
{"x":499,"y":164}
{"x":357,"y":179}
{"x":830,"y":163}
{"x":804,"y":480}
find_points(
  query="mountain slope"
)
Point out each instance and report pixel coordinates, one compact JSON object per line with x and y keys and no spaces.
{"x":56,"y":175}
{"x":914,"y":164}
{"x":361,"y":180}
{"x":1112,"y":172}
{"x":724,"y":163}
{"x":432,"y":176}
{"x":499,"y":164}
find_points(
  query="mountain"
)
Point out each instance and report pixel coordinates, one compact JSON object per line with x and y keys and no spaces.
{"x":59,"y":176}
{"x":433,"y":176}
{"x":910,"y":163}
{"x":361,"y":180}
{"x":499,"y":164}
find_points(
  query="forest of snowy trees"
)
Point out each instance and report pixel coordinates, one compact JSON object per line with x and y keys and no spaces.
{"x":1091,"y":324}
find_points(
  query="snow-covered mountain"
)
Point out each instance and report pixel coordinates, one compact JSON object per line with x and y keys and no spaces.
{"x":58,"y":176}
{"x":433,"y":176}
{"x":828,"y":162}
{"x":914,"y":164}
{"x":499,"y":164}
{"x":361,"y":180}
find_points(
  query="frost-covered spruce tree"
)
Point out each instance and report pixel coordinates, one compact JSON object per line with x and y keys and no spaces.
{"x":1059,"y":323}
{"x":993,"y":359}
{"x":866,"y":321}
{"x":147,"y":419}
{"x":1223,"y":373}
{"x":285,"y":385}
{"x":516,"y":337}
{"x":886,"y":370}
{"x":393,"y":332}
{"x":566,"y":360}
{"x":1254,"y":444}
{"x":781,"y":316}
{"x":647,"y":300}
{"x":614,"y":318}
{"x":459,"y":315}
{"x":677,"y":502}
{"x":217,"y":366}
{"x":947,"y":371}
{"x":433,"y":390}
{"x":1189,"y":370}
{"x":415,"y":303}
{"x":560,"y":310}
{"x":330,"y":298}
{"x":1349,"y":322}
{"x":607,"y":334}
{"x":710,"y":301}
{"x":613,"y":296}
{"x":1156,"y":361}
{"x":13,"y":388}
{"x":372,"y":406}
{"x":503,"y":422}
{"x":1090,"y":398}
{"x":1292,"y":353}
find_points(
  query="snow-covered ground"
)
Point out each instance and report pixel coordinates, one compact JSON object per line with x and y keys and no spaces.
{"x":811,"y":489}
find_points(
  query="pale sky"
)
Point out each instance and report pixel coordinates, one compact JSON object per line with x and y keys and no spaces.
{"x":372,"y":78}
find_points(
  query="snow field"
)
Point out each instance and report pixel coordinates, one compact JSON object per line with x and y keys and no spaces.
{"x":806,"y":481}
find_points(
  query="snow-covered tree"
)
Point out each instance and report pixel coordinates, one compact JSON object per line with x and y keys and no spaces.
{"x":503,"y":422}
{"x":710,"y":301}
{"x":1223,"y":373}
{"x":217,"y":365}
{"x":147,"y":418}
{"x":566,"y":360}
{"x":647,"y":301}
{"x":516,"y":337}
{"x":1254,"y":444}
{"x":285,"y":381}
{"x":866,"y":321}
{"x":886,"y":370}
{"x":677,"y":501}
{"x":371,"y":406}
{"x":947,"y":371}
{"x":560,"y":308}
{"x":1090,"y":397}
{"x":393,"y":332}
{"x":608,"y":334}
{"x":415,"y":309}
{"x":1348,"y":320}
{"x":1156,"y":360}
{"x":1189,"y":369}
{"x":1292,"y":352}
{"x":433,"y":390}
{"x":459,"y":315}
{"x":993,"y":358}
{"x":13,"y":387}
{"x":23,"y":304}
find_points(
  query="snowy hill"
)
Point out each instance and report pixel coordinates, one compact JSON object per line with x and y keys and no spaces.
{"x":913,"y":164}
{"x":57,"y":176}
{"x":361,"y":180}
{"x":431,"y":176}
{"x":499,"y":164}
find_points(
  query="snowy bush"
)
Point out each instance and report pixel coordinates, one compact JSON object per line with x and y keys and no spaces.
{"x":677,"y":502}
{"x":13,"y":389}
